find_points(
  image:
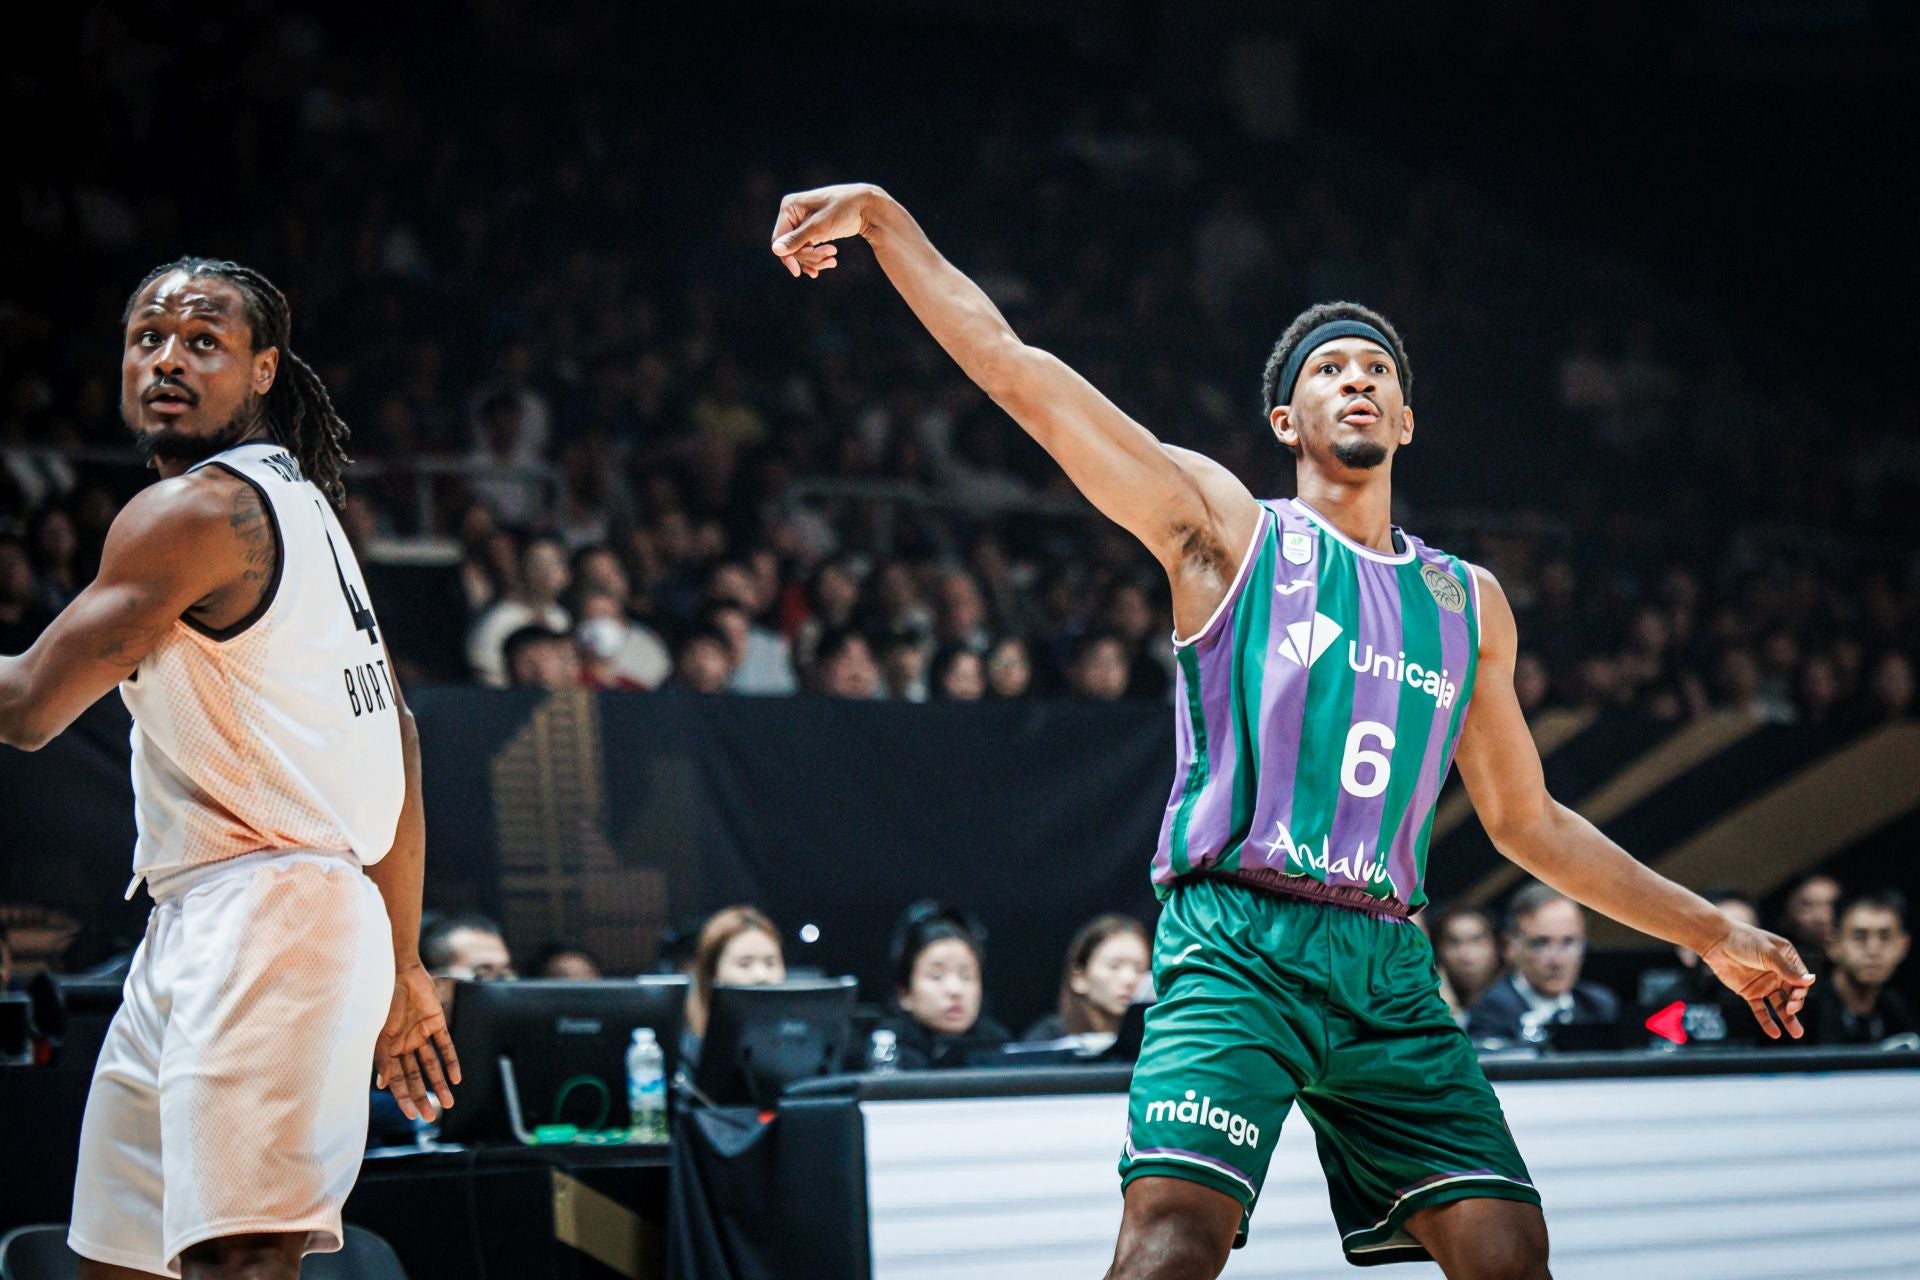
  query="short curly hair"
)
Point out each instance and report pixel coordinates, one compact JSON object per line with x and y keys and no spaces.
{"x":1272,"y":394}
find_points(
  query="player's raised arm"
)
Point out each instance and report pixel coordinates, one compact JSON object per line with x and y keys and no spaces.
{"x":1501,"y":768}
{"x":170,"y":548}
{"x":1181,"y":505}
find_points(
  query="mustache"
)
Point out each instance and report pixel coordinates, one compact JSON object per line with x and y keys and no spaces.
{"x":171,"y":386}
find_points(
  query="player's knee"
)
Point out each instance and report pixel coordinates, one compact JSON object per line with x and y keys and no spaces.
{"x":1168,"y":1246}
{"x":1521,"y":1255}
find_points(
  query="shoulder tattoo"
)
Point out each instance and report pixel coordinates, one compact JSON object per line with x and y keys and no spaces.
{"x":253,"y":530}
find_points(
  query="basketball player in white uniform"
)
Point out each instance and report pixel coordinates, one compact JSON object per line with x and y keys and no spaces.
{"x":277,"y":790}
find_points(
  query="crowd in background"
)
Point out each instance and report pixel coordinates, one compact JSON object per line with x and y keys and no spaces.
{"x":1511,"y":979}
{"x":650,"y":458}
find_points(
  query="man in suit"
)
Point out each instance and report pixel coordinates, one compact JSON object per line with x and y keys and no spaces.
{"x":1546,"y":941}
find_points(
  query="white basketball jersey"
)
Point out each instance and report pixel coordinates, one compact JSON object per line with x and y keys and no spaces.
{"x":280,"y":732}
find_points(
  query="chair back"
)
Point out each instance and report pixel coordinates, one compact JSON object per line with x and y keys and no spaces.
{"x":363,"y":1256}
{"x":38,"y":1253}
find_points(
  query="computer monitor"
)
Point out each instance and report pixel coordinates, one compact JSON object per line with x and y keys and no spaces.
{"x":762,"y":1039}
{"x":554,"y":1032}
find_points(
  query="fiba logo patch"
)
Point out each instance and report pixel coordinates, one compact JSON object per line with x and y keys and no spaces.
{"x":1446,"y":589}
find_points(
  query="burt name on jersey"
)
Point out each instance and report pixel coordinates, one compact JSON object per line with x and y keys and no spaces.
{"x":369,"y":688}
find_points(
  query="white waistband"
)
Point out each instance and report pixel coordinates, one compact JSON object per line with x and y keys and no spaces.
{"x":167,"y":883}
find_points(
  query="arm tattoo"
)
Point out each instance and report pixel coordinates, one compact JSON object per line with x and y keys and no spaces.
{"x":248,"y":520}
{"x":125,"y":645}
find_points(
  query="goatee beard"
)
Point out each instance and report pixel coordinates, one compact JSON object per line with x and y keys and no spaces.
{"x":1360,"y":455}
{"x":170,"y":444}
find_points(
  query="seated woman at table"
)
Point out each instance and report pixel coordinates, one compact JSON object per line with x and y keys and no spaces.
{"x":1105,"y":963}
{"x":738,"y":947}
{"x":937,"y":954}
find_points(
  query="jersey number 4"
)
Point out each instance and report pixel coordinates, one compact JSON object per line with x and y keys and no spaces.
{"x":362,"y":613}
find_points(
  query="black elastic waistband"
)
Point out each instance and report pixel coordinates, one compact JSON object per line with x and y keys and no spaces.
{"x":1302,"y":889}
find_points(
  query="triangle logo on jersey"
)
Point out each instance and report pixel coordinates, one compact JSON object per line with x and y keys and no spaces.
{"x":1306,"y":641}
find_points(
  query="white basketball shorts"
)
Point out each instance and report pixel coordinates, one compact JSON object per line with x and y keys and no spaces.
{"x":231,"y":1093}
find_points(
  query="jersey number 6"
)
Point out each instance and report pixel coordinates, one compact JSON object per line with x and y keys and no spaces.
{"x":1377,"y":763}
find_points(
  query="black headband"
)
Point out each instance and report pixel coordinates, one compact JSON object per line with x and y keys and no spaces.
{"x":1317,"y":337}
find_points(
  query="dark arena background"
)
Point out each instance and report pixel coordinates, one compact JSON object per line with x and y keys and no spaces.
{"x":816,"y":628}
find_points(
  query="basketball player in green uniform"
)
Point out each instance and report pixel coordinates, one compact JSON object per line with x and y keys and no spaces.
{"x":1331,"y":668}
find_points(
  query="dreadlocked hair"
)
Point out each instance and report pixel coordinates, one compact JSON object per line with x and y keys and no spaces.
{"x":297,"y":407}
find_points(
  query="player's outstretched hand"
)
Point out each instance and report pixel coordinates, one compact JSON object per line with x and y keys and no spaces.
{"x":810,"y":221}
{"x":409,"y":1056}
{"x":1764,"y":970}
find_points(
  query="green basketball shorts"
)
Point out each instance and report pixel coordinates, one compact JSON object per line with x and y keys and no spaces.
{"x":1266,"y":1001}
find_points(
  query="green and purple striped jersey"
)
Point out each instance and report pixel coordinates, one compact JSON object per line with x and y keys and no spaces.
{"x":1317,"y":714}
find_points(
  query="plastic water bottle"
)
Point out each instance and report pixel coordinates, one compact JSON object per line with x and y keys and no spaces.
{"x":886,"y":1052}
{"x":646,"y":1088}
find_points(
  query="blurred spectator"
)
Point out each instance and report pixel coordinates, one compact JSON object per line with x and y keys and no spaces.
{"x":903,"y":667}
{"x":1806,"y":917}
{"x":595,"y":505}
{"x":1468,"y":952}
{"x":1741,"y":689}
{"x":1129,"y":616}
{"x":1009,"y":668}
{"x":738,"y":947}
{"x":699,"y":437}
{"x":467,"y":948}
{"x":1714,"y":1015}
{"x":541,"y":659}
{"x":937,"y":954}
{"x":1105,"y":963}
{"x":1546,"y":944}
{"x":567,"y":960}
{"x":957,"y":675}
{"x":23,"y":613}
{"x":1530,"y":683}
{"x":832,"y":597}
{"x":764,"y":662}
{"x":960,"y":612}
{"x":1818,"y":691}
{"x":1099,"y":669}
{"x":1892,"y":688}
{"x":844,"y":666}
{"x":512,"y":380}
{"x":55,"y":548}
{"x":1851,"y":1003}
{"x":615,"y":651}
{"x":704,"y":662}
{"x":722,"y":411}
{"x":506,"y":461}
{"x":893,"y":601}
{"x":544,"y":576}
{"x":597,"y":569}
{"x":489,"y":561}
